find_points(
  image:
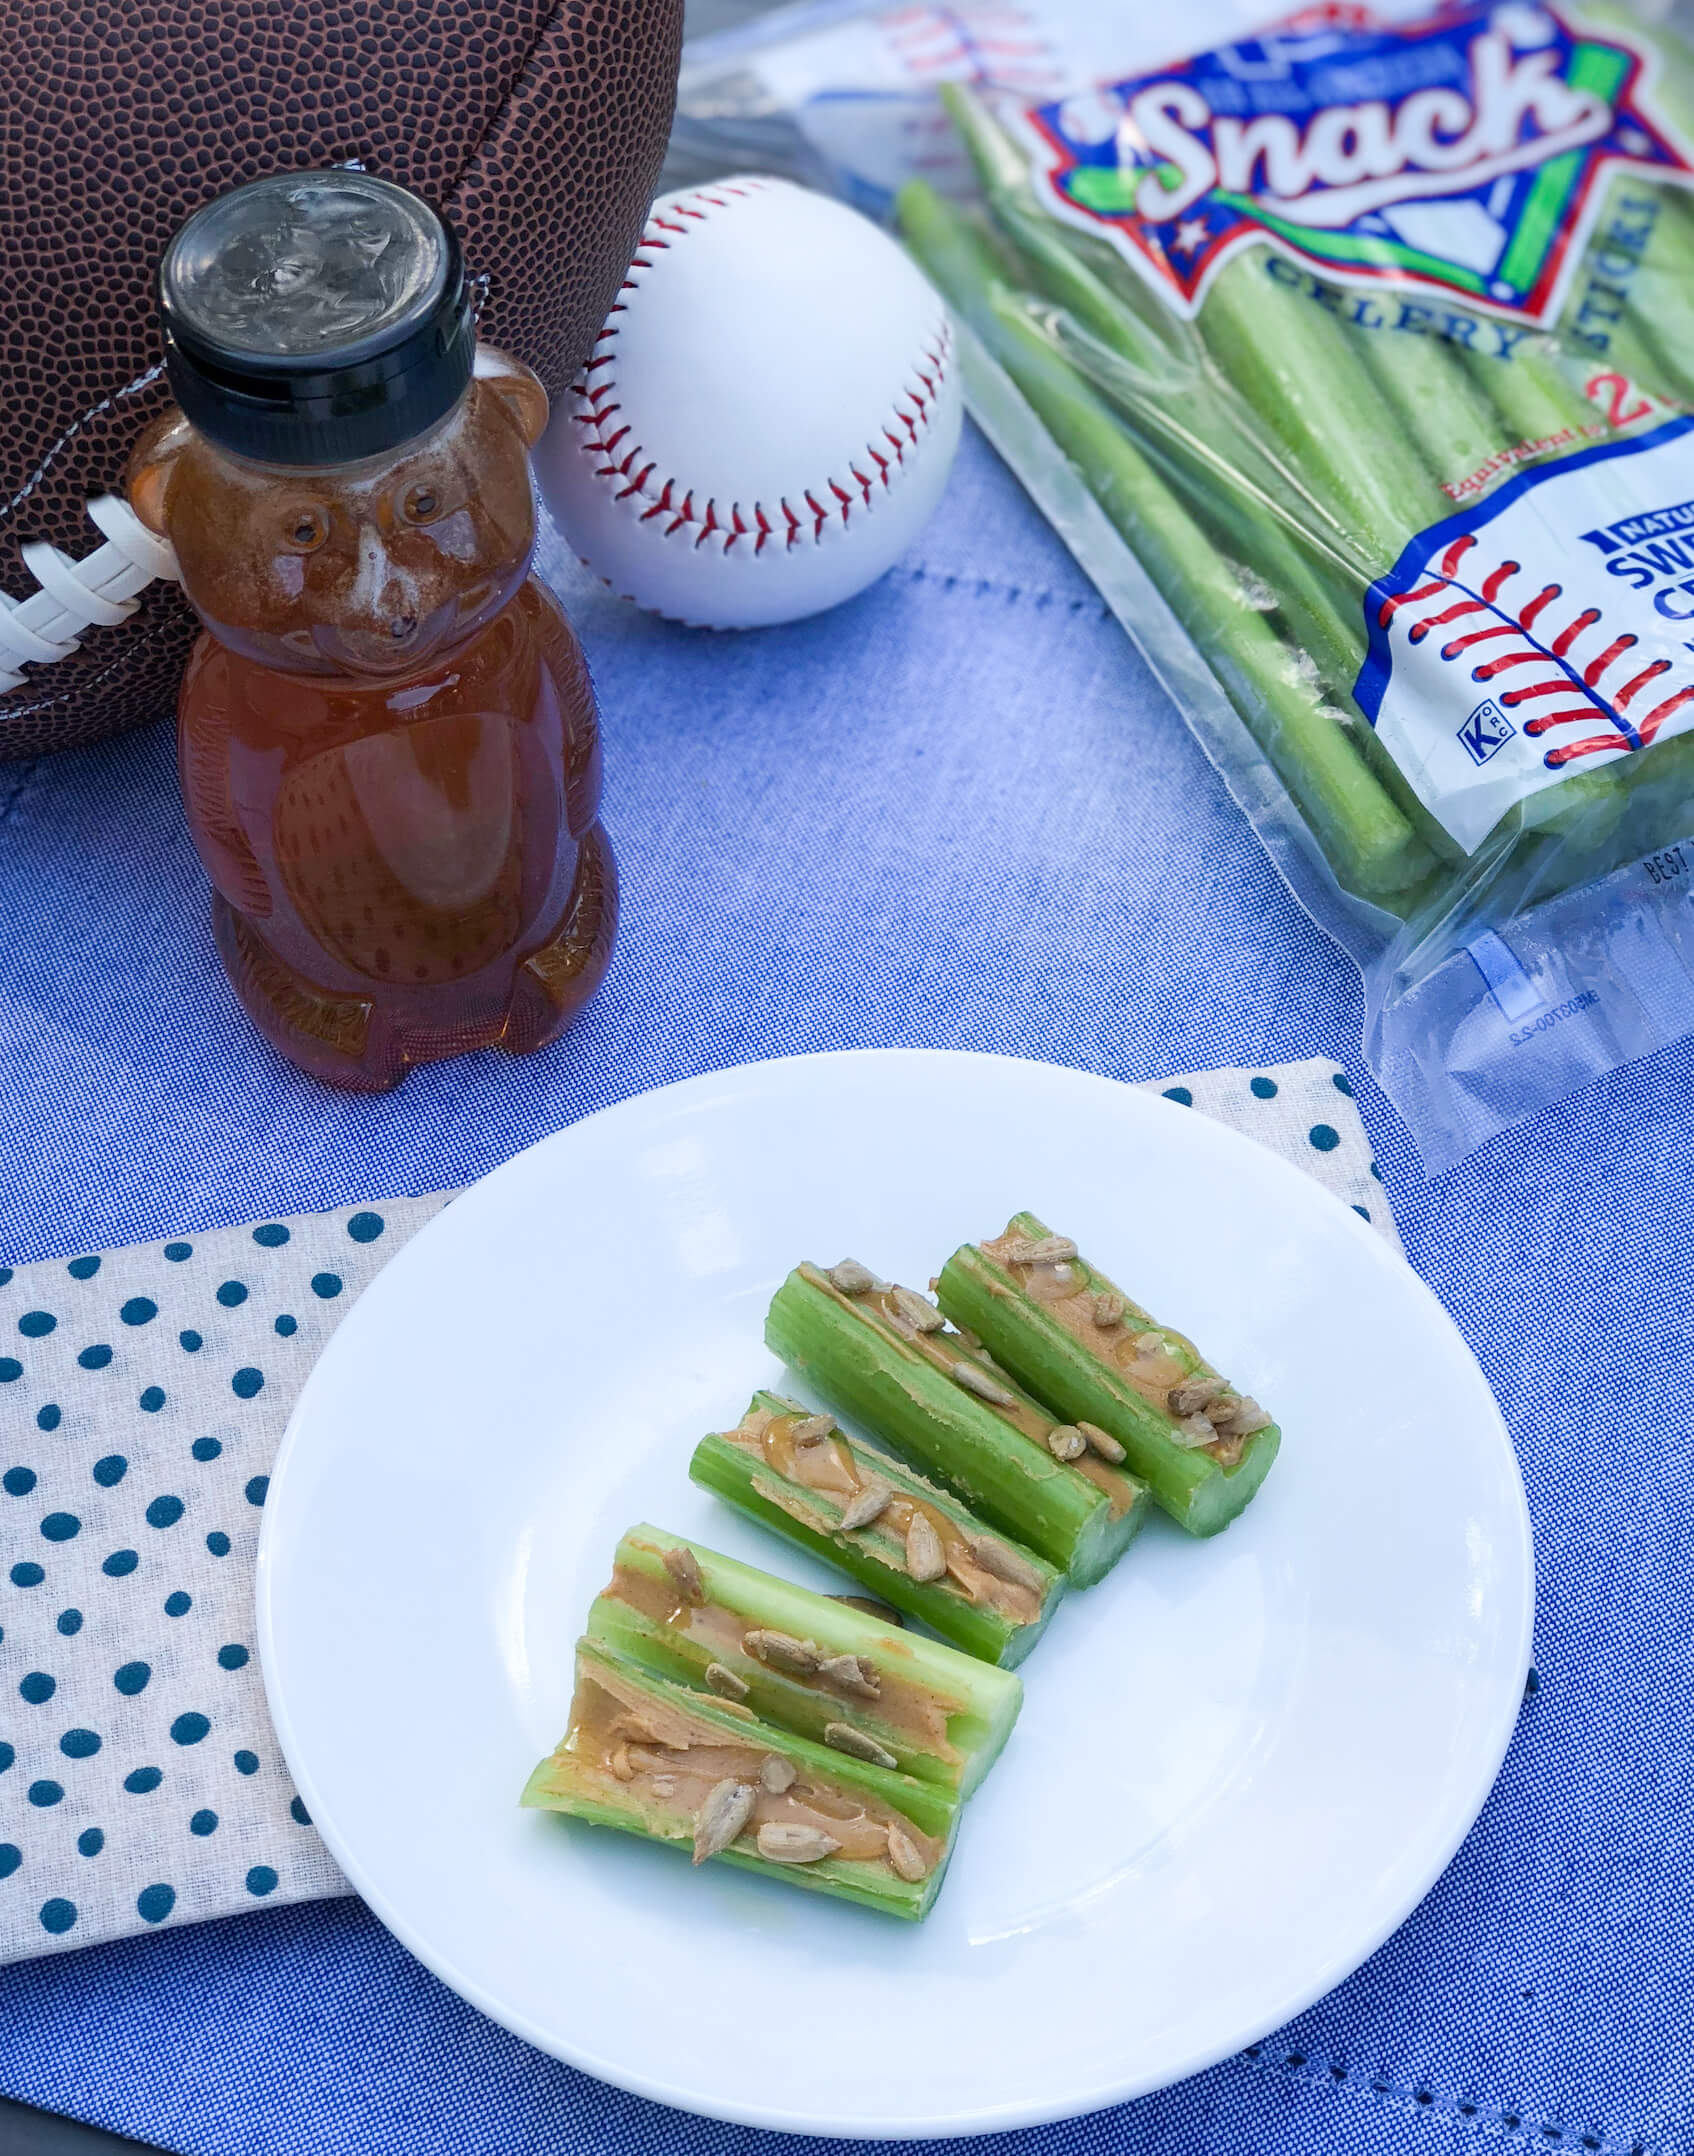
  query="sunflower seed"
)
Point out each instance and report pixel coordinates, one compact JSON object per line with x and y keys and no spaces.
{"x":1241,"y":1418}
{"x":1066,"y":1442}
{"x":854,"y":1673}
{"x":720,"y":1819}
{"x":1108,"y":1310}
{"x":916,"y":1310}
{"x":905,"y":1856}
{"x":719,"y":1679}
{"x":684,"y":1569}
{"x":1147,"y":1345}
{"x":867,"y":1504}
{"x":978,"y":1381}
{"x":781,"y":1650}
{"x":1193,"y":1431}
{"x":776,"y":1774}
{"x":869,"y":1606}
{"x":851,"y":1277}
{"x":925,"y":1558}
{"x":1098,"y":1441}
{"x":788,"y":1842}
{"x":857,"y":1745}
{"x":1193,"y":1394}
{"x":1005,"y":1564}
{"x":1042,"y":1250}
{"x":813,"y":1430}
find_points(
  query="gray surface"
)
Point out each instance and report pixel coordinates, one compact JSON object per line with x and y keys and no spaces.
{"x":39,"y":2133}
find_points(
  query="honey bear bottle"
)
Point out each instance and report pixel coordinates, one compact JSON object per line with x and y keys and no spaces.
{"x":388,"y":739}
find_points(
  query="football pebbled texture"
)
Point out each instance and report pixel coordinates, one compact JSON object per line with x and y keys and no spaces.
{"x":537,"y":126}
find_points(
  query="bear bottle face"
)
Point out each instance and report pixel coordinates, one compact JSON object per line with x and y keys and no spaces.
{"x":362,"y":570}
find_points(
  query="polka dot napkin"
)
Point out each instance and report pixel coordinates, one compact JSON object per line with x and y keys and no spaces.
{"x":143,"y":1393}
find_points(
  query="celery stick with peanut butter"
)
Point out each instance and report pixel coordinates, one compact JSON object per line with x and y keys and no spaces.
{"x":911,"y":1544}
{"x":1071,"y":1335}
{"x":806,"y":1663}
{"x":672,"y":1765}
{"x":936,"y":1394}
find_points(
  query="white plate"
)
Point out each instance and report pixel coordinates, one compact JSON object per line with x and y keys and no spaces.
{"x":1240,"y":1762}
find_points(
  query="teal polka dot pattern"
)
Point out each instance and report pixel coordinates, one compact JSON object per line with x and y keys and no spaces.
{"x":144,"y":1403}
{"x":58,"y":1914}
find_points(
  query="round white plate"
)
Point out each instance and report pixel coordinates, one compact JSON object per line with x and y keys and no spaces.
{"x":1240,"y":1762}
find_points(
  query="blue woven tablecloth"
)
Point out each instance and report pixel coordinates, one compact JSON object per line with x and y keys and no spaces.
{"x":958,"y":813}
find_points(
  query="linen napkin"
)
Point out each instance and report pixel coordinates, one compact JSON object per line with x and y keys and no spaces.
{"x":143,"y":1393}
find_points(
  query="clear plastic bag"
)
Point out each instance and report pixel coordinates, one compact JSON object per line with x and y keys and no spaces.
{"x":1353,"y":358}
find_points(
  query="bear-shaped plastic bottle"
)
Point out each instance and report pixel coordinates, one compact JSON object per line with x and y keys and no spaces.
{"x":388,"y":739}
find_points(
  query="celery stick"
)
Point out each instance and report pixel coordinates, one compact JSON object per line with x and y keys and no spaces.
{"x":1202,"y":1455}
{"x":992,"y":1599}
{"x":941,"y":1404}
{"x":655,"y":1759}
{"x":802,"y":1661}
{"x":1304,"y":377}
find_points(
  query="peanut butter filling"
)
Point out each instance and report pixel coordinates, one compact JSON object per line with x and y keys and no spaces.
{"x":831,"y":1467}
{"x":668,"y":1762}
{"x":901,"y":1703}
{"x":945,"y":1348}
{"x":1151,"y":1359}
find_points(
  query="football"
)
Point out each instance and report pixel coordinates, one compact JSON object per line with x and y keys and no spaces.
{"x":536,"y":126}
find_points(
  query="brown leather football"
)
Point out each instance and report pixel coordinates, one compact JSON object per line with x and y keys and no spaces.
{"x":537,"y":126}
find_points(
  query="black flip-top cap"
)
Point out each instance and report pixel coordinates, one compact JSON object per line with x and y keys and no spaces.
{"x":316,"y":318}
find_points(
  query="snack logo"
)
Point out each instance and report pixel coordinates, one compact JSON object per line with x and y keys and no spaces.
{"x":1460,"y":153}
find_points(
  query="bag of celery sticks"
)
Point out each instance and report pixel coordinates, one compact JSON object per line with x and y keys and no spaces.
{"x":1353,"y":355}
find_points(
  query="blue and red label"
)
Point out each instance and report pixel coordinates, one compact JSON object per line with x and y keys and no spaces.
{"x":1462,"y":153}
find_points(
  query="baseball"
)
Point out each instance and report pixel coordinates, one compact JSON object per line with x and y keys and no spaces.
{"x":769,"y":414}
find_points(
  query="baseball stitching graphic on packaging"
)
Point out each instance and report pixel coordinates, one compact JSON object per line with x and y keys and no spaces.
{"x":1461,"y":154}
{"x":1549,"y":630}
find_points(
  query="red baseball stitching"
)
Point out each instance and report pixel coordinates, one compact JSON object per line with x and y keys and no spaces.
{"x":668,"y":501}
{"x":1526,"y":649}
